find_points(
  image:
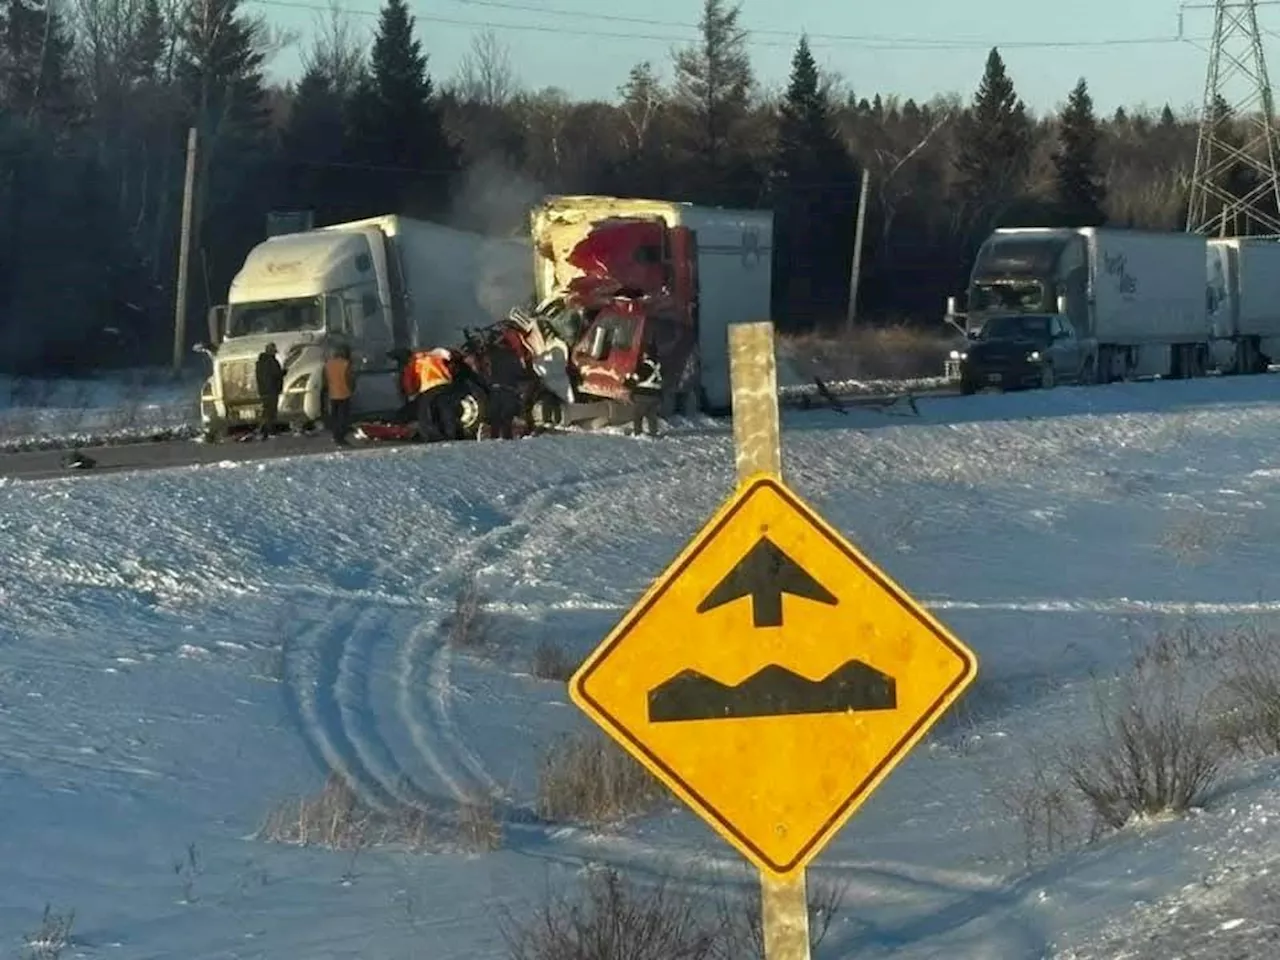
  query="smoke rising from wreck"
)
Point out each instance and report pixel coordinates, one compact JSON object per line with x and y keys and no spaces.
{"x":494,"y":200}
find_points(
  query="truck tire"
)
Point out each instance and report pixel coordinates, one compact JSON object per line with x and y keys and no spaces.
{"x":1089,"y":375}
{"x":472,"y":411}
{"x":1048,"y":379}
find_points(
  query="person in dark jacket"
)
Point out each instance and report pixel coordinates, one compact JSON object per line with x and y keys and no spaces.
{"x":646,"y":394}
{"x":270,"y":376}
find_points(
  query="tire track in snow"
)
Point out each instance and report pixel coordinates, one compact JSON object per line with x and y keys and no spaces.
{"x":357,"y":718}
{"x":1119,"y":605}
{"x":438,"y":725}
{"x":434,"y":730}
{"x":334,"y":727}
{"x":319,"y":726}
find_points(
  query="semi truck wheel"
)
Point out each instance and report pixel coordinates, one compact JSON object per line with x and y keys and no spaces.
{"x":471,"y":409}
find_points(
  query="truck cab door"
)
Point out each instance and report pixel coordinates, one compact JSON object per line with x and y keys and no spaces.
{"x":607,"y":352}
{"x":1065,"y":352}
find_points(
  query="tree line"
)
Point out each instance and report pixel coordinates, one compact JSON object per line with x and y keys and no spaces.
{"x":96,"y":97}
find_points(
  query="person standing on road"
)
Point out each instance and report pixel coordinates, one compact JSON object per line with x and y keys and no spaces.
{"x":270,"y":376}
{"x":340,"y":382}
{"x":646,"y":393}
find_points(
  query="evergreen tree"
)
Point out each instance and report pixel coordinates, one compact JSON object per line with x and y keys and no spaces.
{"x":147,"y":45}
{"x":713,"y":84}
{"x":220,"y":73}
{"x":35,"y":62}
{"x":808,"y":146}
{"x":313,"y":144}
{"x":398,"y":124}
{"x":1079,"y":189}
{"x":994,"y":143}
{"x":815,"y":191}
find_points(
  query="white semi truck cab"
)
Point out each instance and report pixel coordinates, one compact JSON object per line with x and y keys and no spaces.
{"x":378,"y":286}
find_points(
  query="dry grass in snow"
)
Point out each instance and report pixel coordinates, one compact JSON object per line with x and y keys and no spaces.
{"x":615,"y":918}
{"x":893,"y":352}
{"x":585,"y":777}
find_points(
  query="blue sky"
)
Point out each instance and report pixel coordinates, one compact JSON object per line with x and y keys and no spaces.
{"x":1046,"y":45}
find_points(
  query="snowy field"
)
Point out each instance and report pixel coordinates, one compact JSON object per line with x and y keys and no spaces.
{"x":182,"y":650}
{"x":117,"y":408}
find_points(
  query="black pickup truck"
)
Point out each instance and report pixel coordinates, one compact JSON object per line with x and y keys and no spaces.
{"x":1012,"y":351}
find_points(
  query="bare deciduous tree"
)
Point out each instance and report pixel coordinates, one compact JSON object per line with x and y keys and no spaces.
{"x":485,"y":75}
{"x":337,"y":50}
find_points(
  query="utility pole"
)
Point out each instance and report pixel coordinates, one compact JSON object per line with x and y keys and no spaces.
{"x":855,"y":271}
{"x":184,"y":255}
{"x":1237,"y":130}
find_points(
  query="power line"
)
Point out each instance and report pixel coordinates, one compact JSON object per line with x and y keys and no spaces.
{"x":864,"y":42}
{"x":793,"y":33}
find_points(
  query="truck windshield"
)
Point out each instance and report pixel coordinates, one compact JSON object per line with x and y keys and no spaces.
{"x":1015,"y":328}
{"x":275,"y":316}
{"x":1008,"y":295}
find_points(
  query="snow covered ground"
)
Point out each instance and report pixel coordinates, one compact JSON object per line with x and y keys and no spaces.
{"x":181,"y":650}
{"x":122,"y":407}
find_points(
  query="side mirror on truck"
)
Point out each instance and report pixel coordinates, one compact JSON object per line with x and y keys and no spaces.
{"x":217,"y":321}
{"x":1062,"y":303}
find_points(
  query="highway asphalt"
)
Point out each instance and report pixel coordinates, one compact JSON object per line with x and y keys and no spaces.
{"x":48,"y":464}
{"x":160,"y":454}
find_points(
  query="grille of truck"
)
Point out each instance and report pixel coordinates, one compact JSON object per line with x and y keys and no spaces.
{"x":239,"y":381}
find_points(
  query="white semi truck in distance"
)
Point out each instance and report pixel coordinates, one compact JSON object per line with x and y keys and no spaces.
{"x":377,"y":285}
{"x":1093,"y":305}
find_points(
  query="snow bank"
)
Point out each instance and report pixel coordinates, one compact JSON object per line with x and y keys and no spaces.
{"x":128,"y":407}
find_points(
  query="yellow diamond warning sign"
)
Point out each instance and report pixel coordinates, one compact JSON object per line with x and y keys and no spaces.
{"x":772,"y":676}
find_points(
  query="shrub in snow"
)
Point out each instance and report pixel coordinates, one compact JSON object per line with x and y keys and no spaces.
{"x":615,"y":919}
{"x":586,"y":777}
{"x":339,"y":819}
{"x":53,"y":937}
{"x":469,"y":626}
{"x":1157,"y":749}
{"x":551,"y":663}
{"x":1249,"y":693}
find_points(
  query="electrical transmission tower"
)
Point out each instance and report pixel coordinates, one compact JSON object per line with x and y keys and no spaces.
{"x":1236,"y":185}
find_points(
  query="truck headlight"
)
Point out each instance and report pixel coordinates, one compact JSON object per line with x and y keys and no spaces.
{"x":959,"y":355}
{"x":301,"y":383}
{"x":1033,"y":356}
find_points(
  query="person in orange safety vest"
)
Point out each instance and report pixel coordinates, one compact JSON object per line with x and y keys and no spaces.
{"x":340,"y":383}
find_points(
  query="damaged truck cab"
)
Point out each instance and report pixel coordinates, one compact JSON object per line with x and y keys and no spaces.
{"x":618,"y":280}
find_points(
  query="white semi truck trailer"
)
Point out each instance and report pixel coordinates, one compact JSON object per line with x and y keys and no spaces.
{"x":377,"y":285}
{"x":1244,"y":303}
{"x":1092,"y":305}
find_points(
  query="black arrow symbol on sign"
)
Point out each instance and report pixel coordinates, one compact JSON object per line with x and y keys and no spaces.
{"x":764,"y":575}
